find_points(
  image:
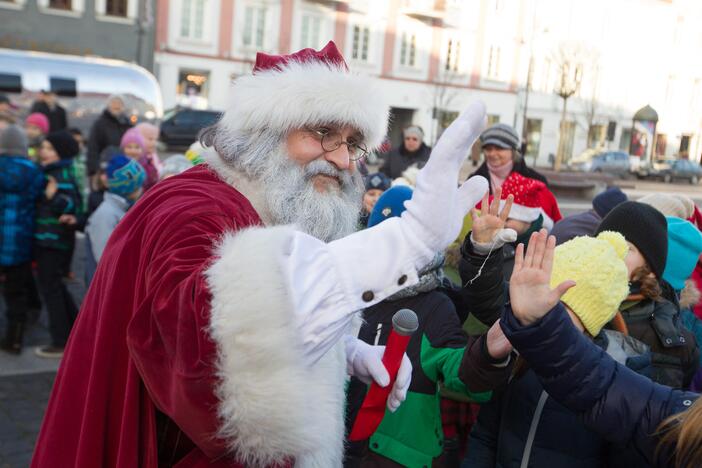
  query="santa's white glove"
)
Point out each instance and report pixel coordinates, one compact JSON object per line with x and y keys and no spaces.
{"x":435,"y":213}
{"x":501,"y":237}
{"x":365,"y":362}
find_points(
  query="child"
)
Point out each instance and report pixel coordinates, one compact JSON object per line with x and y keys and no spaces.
{"x":439,"y":351}
{"x":375,"y":184}
{"x":125,"y":178}
{"x":150,"y":132}
{"x":174,"y":165}
{"x":36,"y":126}
{"x":534,"y":207}
{"x":522,"y":426}
{"x":21,"y":184}
{"x":134,"y":146}
{"x":651,"y":311}
{"x":54,"y":236}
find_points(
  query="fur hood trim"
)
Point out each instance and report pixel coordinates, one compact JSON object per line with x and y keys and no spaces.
{"x":273,"y":407}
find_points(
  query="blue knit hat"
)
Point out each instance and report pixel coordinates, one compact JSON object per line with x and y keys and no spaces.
{"x":605,"y":201}
{"x":684,"y":249}
{"x":390,"y":204}
{"x":124,"y":175}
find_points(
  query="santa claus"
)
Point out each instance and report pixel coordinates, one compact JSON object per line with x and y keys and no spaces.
{"x":216,"y":331}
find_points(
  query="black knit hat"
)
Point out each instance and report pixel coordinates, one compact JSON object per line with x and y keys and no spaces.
{"x":643,"y":226}
{"x":64,"y":144}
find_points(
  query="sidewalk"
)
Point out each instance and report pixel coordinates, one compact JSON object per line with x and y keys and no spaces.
{"x":26,"y":381}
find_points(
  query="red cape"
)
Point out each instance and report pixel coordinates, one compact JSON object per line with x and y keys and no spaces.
{"x":139,"y":342}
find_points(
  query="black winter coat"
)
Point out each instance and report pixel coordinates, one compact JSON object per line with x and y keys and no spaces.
{"x":484,"y":294}
{"x":399,"y":159}
{"x":106,"y":131}
{"x":519,"y":167}
{"x":622,"y":406}
{"x":57,"y":115}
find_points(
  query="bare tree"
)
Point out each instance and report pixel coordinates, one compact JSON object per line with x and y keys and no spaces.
{"x":443,"y":93}
{"x":571,"y":59}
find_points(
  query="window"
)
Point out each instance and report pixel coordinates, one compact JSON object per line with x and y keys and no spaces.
{"x":254,"y":26}
{"x":310,"y":31}
{"x":533,"y":137}
{"x":116,"y":8}
{"x":453,"y":54}
{"x":492,"y":119}
{"x":493,"y":67}
{"x":192,"y":19}
{"x":10,"y":83}
{"x":60,"y":4}
{"x":193,"y":88}
{"x":408,"y":49}
{"x":361,"y":37}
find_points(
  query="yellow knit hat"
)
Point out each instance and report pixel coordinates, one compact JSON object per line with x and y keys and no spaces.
{"x":602,"y":281}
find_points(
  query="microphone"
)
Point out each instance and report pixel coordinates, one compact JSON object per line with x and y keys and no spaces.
{"x":404,"y":324}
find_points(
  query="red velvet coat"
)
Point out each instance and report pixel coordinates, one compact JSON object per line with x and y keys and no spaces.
{"x":139,"y":344}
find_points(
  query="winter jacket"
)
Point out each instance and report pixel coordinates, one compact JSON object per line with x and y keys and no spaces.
{"x":581,"y":224}
{"x":399,"y":159}
{"x":439,"y":351}
{"x":21,"y":184}
{"x":67,"y":200}
{"x":106,"y":131}
{"x":675,"y":352}
{"x":519,"y":166}
{"x":622,"y":406}
{"x":522,"y":425}
{"x":104,"y":220}
{"x":57,"y":115}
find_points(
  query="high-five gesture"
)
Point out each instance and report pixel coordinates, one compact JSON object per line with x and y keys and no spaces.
{"x":490,"y":221}
{"x":530,"y":286}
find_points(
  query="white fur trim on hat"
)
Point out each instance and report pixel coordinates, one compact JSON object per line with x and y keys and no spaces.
{"x":307,"y":93}
{"x":528,"y":214}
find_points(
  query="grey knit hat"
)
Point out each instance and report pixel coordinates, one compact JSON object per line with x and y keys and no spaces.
{"x":13,"y":141}
{"x":501,"y":135}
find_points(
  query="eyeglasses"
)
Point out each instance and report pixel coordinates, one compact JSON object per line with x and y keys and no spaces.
{"x":331,"y":141}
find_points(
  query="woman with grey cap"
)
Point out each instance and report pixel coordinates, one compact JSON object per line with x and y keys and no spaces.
{"x":500,"y":144}
{"x":412,"y":151}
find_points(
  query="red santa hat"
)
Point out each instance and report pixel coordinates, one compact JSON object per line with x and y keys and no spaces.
{"x":531,"y":199}
{"x":306,"y":88}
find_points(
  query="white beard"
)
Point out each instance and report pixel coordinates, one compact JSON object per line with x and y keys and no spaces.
{"x":292,"y":198}
{"x":287,"y":188}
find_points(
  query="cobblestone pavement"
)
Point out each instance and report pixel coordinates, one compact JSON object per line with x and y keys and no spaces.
{"x":26,"y":381}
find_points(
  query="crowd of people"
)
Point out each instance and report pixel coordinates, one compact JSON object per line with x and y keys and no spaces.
{"x":222,"y":320}
{"x":47,"y":195}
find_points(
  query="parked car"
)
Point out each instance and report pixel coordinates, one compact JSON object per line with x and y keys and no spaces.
{"x":180,"y":126}
{"x":676,"y":169}
{"x":610,"y":162}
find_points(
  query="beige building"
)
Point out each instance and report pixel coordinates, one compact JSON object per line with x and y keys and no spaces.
{"x":432,"y":57}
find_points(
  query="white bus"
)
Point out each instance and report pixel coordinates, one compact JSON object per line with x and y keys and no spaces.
{"x":82,"y":85}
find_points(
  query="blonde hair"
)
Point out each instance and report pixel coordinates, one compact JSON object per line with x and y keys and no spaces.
{"x":683,"y":431}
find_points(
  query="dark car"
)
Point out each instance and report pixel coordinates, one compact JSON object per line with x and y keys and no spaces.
{"x":679,"y":169}
{"x":180,"y":126}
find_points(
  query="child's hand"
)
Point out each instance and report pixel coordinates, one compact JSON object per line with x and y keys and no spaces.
{"x":51,"y":187}
{"x":529,"y":288}
{"x":68,"y":219}
{"x":498,"y":346}
{"x":491,"y":220}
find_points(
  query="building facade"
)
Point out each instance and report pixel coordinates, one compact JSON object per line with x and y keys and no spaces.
{"x":432,"y":57}
{"x":118,"y":29}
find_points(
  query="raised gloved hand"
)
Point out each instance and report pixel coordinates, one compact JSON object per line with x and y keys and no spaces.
{"x":365,"y":362}
{"x":435,"y":213}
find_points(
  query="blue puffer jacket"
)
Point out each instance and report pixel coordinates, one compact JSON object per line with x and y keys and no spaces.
{"x":622,"y":406}
{"x":21,"y":184}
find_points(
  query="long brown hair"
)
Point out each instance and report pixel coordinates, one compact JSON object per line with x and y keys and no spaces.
{"x":650,"y":287}
{"x":683,"y":431}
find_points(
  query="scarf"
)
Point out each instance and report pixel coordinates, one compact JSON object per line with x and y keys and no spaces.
{"x":498,"y":174}
{"x":430,"y":278}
